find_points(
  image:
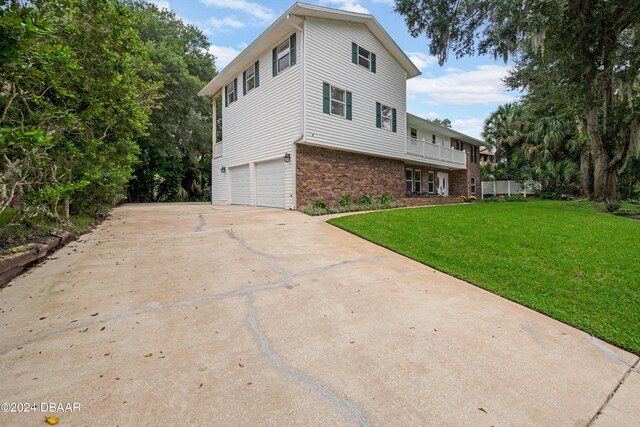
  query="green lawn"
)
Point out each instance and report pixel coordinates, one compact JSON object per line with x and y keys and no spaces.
{"x":564,"y":259}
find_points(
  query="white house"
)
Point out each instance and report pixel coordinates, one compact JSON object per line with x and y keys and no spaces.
{"x":316,"y":107}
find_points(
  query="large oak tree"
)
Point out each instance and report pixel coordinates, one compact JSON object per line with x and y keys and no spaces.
{"x":581,"y":55}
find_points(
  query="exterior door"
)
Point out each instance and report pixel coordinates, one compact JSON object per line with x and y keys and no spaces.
{"x":239,"y":176}
{"x":270,"y":183}
{"x":443,"y":184}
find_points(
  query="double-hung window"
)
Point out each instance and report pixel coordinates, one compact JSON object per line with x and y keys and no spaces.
{"x":417,"y":180}
{"x":231,"y":92}
{"x":474,"y":154}
{"x":473,"y":185}
{"x":386,"y":117}
{"x":250,"y":78}
{"x":459,"y":145}
{"x":414,"y":133}
{"x":363,"y":57}
{"x":336,"y":101}
{"x":433,"y":138}
{"x":431,"y":181}
{"x":408,"y":175}
{"x":284,"y":55}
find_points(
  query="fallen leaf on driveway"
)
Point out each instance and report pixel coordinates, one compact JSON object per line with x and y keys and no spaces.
{"x":241,"y":365}
{"x":51,"y":420}
{"x":204,"y":368}
{"x":148,"y":355}
{"x":84,"y":330}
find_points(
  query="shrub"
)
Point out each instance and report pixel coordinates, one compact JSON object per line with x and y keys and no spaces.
{"x":463,"y":198}
{"x":472,"y":199}
{"x":345,"y":201}
{"x":490,"y":199}
{"x":320,"y":203}
{"x":612,"y":205}
{"x":386,"y":198}
{"x":366,"y":199}
{"x":516,"y":198}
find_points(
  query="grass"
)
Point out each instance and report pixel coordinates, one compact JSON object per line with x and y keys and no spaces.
{"x":565,"y":259}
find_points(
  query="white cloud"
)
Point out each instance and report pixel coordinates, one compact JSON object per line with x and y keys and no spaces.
{"x":480,"y":86}
{"x":223,"y":55}
{"x":422,"y":60}
{"x":254,"y":9}
{"x":430,"y":115}
{"x":348,"y":5}
{"x":387,"y":2}
{"x":228,"y":22}
{"x":472,"y":127}
{"x":162,"y":4}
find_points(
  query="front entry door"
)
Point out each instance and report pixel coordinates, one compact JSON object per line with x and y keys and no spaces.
{"x":442,"y":184}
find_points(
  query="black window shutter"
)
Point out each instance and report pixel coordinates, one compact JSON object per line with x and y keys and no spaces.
{"x":325,"y":98}
{"x":235,"y":89}
{"x":373,"y":62}
{"x":244,"y":82}
{"x":354,"y":53}
{"x":226,"y":96}
{"x":378,"y":115}
{"x":257,"y":73}
{"x":274,"y":57}
{"x":393,"y":120}
{"x":292,"y":49}
{"x":348,"y":105}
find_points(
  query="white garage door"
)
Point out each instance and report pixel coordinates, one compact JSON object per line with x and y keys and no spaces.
{"x":270,"y":183}
{"x":239,"y":176}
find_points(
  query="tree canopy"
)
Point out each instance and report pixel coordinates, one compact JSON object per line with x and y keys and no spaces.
{"x":578,"y":57}
{"x":97,"y":102}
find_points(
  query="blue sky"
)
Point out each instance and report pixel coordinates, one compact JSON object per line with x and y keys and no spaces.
{"x":465,"y":91}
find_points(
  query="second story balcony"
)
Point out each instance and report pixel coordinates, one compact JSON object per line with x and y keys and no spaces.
{"x":430,"y":151}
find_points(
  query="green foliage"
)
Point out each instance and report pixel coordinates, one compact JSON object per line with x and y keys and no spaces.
{"x":74,"y":102}
{"x":175,"y":155}
{"x":515,"y":198}
{"x":386,"y":199}
{"x":612,"y":205}
{"x":444,"y":122}
{"x":345,"y":200}
{"x":366,"y":199}
{"x":320,"y":203}
{"x":314,"y":210}
{"x":540,"y":254}
{"x":576,"y":60}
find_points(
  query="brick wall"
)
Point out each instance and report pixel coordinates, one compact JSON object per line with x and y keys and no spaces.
{"x":330,"y":174}
{"x":460,"y":180}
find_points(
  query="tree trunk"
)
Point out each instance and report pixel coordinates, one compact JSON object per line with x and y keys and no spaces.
{"x":605,"y":178}
{"x":66,"y":202}
{"x":585,"y":160}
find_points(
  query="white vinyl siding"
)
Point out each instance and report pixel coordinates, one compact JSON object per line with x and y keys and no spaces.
{"x":328,"y":59}
{"x":272,"y":131}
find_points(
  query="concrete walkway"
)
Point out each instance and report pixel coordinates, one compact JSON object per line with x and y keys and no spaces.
{"x":192,"y":314}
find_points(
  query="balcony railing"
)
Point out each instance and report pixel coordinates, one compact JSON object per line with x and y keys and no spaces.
{"x":217,"y":150}
{"x":429,"y":150}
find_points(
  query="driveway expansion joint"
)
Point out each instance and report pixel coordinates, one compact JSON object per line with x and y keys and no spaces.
{"x":632,"y":368}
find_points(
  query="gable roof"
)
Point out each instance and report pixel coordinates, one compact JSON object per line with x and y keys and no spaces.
{"x":281,"y":27}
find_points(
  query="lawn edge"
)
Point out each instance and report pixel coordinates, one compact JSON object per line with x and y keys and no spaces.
{"x":619,"y":346}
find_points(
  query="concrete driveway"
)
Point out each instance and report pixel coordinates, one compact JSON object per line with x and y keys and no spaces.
{"x":192,"y":314}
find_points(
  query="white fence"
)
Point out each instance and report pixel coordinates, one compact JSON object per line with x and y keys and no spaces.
{"x":507,"y":188}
